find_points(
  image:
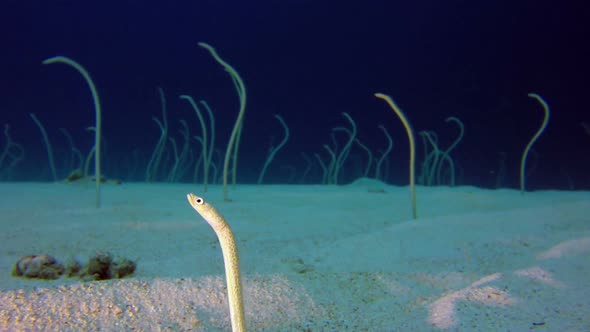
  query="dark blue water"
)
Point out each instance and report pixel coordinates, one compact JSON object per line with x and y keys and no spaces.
{"x":308,"y":61}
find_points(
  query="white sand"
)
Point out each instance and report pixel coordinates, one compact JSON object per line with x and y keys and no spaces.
{"x":315,"y":258}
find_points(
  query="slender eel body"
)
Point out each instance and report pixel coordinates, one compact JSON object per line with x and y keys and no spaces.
{"x":230,"y":259}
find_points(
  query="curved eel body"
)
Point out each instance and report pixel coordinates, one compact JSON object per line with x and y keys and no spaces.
{"x":230,"y":259}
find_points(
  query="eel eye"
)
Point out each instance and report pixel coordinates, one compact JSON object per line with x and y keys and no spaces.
{"x":195,"y":200}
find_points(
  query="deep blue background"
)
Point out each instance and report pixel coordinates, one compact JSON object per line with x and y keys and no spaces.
{"x":308,"y":61}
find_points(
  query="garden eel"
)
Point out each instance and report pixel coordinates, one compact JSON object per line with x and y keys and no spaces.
{"x":230,"y":259}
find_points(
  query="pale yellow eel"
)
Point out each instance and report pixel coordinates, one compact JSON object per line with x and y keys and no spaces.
{"x":230,"y":259}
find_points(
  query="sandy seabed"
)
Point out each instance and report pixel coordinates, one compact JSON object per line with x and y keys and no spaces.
{"x":313,"y":258}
